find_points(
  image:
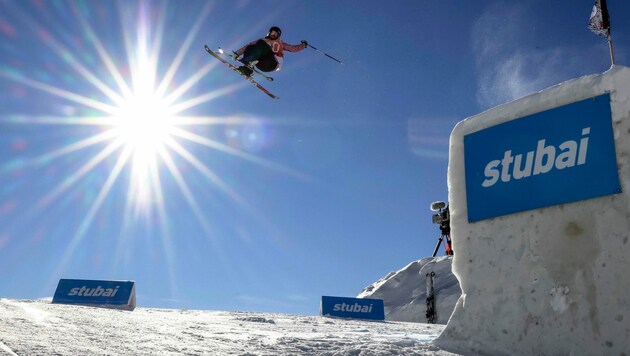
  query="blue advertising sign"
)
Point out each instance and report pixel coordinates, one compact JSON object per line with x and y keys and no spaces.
{"x":558,"y":156}
{"x":354,"y":308}
{"x":115,"y":294}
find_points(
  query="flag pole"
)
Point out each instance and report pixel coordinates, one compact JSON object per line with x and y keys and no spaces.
{"x":599,"y":23}
{"x":610,"y":46}
{"x":606,"y":25}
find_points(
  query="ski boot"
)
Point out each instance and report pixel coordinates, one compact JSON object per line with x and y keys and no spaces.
{"x":247,"y":69}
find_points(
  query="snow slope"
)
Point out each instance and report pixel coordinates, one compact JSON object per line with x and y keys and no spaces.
{"x":41,"y":328}
{"x":404,"y":292}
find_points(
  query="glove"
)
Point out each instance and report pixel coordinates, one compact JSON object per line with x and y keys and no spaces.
{"x":305,"y":43}
{"x":235,"y":56}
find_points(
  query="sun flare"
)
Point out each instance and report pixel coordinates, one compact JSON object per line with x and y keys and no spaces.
{"x":143,"y":124}
{"x":143,"y":127}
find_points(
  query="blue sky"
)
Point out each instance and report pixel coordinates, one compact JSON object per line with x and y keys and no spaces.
{"x":235,"y":201}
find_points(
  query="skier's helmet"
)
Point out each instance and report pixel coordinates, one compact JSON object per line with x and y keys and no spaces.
{"x":277,"y":29}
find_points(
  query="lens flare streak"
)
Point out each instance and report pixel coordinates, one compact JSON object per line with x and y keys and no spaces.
{"x":107,"y":60}
{"x":188,"y":195}
{"x":87,"y":220}
{"x":237,"y":153}
{"x":188,"y":41}
{"x":85,"y":169}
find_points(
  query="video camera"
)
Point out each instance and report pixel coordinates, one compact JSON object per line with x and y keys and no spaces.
{"x":443,"y":217}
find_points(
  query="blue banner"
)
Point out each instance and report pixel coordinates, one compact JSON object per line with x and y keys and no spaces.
{"x":558,"y":156}
{"x":354,"y":308}
{"x":117,"y":294}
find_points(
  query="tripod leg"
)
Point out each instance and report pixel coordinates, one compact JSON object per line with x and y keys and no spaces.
{"x":437,"y":247}
{"x":448,"y":246}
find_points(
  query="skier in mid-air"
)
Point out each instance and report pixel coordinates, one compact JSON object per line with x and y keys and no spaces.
{"x":266,"y":53}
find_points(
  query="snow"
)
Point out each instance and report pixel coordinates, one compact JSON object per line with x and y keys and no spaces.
{"x":404,"y":292}
{"x":38,"y":327}
{"x":42,"y":328}
{"x":551,"y":280}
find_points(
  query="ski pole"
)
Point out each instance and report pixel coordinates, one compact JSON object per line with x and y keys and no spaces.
{"x":325,"y":54}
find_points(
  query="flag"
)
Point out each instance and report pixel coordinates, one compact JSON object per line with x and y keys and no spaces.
{"x":599,"y":22}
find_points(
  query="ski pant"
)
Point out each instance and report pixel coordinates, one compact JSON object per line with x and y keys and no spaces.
{"x":261,"y":52}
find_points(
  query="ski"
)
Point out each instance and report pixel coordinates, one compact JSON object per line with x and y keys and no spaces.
{"x":430,"y":299}
{"x":235,"y":68}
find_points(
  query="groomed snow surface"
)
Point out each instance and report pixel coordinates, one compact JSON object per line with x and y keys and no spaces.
{"x":42,"y":328}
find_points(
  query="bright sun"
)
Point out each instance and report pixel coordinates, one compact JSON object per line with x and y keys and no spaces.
{"x":143,"y":124}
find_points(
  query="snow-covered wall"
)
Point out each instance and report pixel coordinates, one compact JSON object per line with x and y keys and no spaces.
{"x":551,"y":280}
